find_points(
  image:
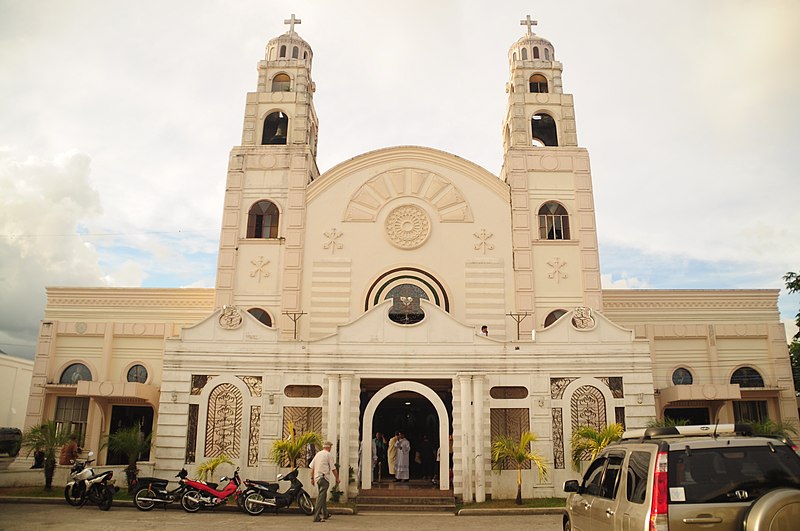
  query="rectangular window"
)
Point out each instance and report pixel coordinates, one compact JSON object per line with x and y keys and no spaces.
{"x":510,"y":422}
{"x":750,"y":410}
{"x":71,"y":415}
{"x":191,"y":433}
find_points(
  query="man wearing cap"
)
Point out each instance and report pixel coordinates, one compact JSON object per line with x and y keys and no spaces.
{"x":322,"y":466}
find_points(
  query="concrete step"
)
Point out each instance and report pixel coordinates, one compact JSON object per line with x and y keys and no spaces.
{"x":371,"y":507}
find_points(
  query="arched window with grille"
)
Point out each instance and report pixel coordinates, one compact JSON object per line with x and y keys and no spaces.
{"x":262,"y":220}
{"x":553,"y":222}
{"x":524,"y":54}
{"x":747,"y":377}
{"x":262,"y":315}
{"x":553,"y":316}
{"x":283,"y":50}
{"x":535,"y":52}
{"x":275,"y":126}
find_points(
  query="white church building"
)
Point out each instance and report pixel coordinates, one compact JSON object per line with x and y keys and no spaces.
{"x":351,"y":301}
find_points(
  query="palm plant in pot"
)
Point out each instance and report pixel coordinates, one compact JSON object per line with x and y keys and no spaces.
{"x":132,"y":443}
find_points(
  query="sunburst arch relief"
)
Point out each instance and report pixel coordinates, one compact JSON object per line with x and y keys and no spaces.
{"x":444,"y":197}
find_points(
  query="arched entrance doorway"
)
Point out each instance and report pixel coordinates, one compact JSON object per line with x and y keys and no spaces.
{"x":406,"y":391}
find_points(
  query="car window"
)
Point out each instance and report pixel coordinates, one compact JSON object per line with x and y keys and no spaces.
{"x":611,"y":476}
{"x":730,"y":474}
{"x":636,"y":488}
{"x":593,"y":478}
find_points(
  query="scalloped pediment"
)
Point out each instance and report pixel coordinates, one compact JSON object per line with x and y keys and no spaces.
{"x":439,"y":192}
{"x":602,"y":331}
{"x":210,"y":329}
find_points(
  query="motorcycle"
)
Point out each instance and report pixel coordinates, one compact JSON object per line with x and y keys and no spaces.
{"x":150,"y":491}
{"x":262,"y":494}
{"x":205,"y":494}
{"x":85,"y":485}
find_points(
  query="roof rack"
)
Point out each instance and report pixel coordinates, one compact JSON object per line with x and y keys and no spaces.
{"x":708,"y":430}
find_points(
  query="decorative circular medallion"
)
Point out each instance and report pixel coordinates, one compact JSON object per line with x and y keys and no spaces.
{"x":80,"y":327}
{"x":230,"y":319}
{"x":408,"y":227}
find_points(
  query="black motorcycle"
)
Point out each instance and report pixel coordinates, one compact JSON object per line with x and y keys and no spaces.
{"x":259,"y":495}
{"x":150,"y":491}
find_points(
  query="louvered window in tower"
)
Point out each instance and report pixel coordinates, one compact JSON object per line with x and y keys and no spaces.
{"x":281,"y":83}
{"x":262,"y":220}
{"x":538,"y":83}
{"x":553,"y":222}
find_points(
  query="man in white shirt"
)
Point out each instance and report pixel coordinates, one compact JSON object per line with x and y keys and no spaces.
{"x":322,"y":466}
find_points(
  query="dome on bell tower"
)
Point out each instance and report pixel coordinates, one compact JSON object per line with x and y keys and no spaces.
{"x":289,"y":46}
{"x":531,"y":47}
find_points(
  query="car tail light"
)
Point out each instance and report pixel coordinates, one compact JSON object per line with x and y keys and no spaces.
{"x":660,"y":505}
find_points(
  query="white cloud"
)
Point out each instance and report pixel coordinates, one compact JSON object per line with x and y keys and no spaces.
{"x":609,"y":282}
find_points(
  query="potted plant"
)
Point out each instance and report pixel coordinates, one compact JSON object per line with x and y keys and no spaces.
{"x":286,"y":452}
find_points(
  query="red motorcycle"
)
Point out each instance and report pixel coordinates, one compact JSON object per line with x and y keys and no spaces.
{"x":202,"y":494}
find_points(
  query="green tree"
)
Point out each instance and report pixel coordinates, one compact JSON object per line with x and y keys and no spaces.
{"x":794,"y":358}
{"x":49,"y":439}
{"x":518,"y":450}
{"x":286,"y":452}
{"x":131,"y":443}
{"x":587,"y":442}
{"x":793,"y":286}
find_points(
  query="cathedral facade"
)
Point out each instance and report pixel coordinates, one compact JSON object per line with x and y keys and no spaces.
{"x":355,"y":300}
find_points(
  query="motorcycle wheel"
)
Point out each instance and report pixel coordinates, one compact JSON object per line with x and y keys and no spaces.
{"x":189,"y":502}
{"x":305,"y":503}
{"x":251,"y":506}
{"x":74,"y":496}
{"x":141,"y":503}
{"x":106,"y":498}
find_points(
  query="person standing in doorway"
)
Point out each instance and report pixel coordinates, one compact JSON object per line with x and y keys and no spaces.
{"x":380,"y":451}
{"x":322,"y":466}
{"x":391,"y":453}
{"x":401,"y":465}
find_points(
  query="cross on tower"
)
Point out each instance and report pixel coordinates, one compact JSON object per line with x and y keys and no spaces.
{"x":292,"y":21}
{"x":527,"y":22}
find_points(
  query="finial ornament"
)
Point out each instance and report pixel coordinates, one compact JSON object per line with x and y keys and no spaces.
{"x":527,"y":22}
{"x":292,"y":21}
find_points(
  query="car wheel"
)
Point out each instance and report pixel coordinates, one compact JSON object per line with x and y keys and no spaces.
{"x":775,"y":510}
{"x":141,"y":501}
{"x":567,"y":524}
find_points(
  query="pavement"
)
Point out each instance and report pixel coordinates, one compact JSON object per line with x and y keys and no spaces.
{"x":52,"y":514}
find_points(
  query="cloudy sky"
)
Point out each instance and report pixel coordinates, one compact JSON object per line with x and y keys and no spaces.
{"x":116,"y":119}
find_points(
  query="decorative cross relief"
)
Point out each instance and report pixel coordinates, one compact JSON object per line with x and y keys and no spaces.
{"x":527,"y":22}
{"x":483,"y":243}
{"x":556,"y":273}
{"x":261,"y":268}
{"x":332,"y":244}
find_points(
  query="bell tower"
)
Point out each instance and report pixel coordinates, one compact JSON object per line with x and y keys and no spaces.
{"x":556,"y":261}
{"x":261,"y":244}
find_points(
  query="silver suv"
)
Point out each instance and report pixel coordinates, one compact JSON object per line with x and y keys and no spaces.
{"x":718,"y":478}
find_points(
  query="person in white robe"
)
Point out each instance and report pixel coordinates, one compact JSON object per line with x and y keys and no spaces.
{"x":401,"y":459}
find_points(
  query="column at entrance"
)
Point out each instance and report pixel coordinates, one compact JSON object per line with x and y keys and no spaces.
{"x":344,"y":431}
{"x":465,"y":383}
{"x":333,"y":409}
{"x":480,"y":459}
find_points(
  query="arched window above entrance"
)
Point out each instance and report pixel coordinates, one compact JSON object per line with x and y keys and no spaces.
{"x":405,"y":287}
{"x":74,"y":373}
{"x":747,"y":377}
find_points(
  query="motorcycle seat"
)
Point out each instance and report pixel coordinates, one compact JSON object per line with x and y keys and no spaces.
{"x":155,"y":482}
{"x":267,"y":484}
